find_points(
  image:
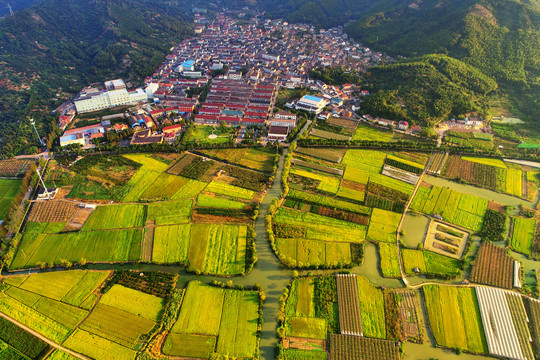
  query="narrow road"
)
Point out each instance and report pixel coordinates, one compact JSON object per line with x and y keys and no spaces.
{"x":41,"y":337}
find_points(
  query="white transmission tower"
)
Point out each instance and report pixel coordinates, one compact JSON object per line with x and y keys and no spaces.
{"x":10,"y":10}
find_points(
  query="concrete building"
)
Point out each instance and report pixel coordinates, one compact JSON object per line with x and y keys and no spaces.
{"x":313,"y":104}
{"x":285,"y":115}
{"x":115,"y":94}
{"x":72,"y":139}
{"x":278,"y":133}
{"x":77,"y":136}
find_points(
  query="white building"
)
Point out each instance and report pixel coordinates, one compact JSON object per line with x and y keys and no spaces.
{"x":313,"y":104}
{"x":115,"y":94}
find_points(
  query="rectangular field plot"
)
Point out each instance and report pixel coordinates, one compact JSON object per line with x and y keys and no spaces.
{"x":133,"y":301}
{"x":356,"y":347}
{"x":170,"y":212}
{"x":389,"y":261}
{"x":21,"y":341}
{"x":371,"y":308}
{"x":117,"y":325}
{"x":217,"y":202}
{"x":493,"y":267}
{"x":8,"y":190}
{"x":229,"y":190}
{"x":369,"y":161}
{"x":116,"y":217}
{"x":94,"y":246}
{"x":503,"y":339}
{"x":171,"y":244}
{"x":255,"y":158}
{"x":349,"y":305}
{"x":326,"y":183}
{"x":209,"y":312}
{"x":332,"y":155}
{"x":383,"y":225}
{"x":445,"y":240}
{"x":306,"y":327}
{"x":366,"y":132}
{"x":454,"y":317}
{"x":218,"y":249}
{"x":97,"y":347}
{"x":144,"y":177}
{"x":523,"y":235}
{"x":328,"y":201}
{"x":164,"y":187}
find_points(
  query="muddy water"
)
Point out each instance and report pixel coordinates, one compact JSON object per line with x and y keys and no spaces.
{"x":414,"y":229}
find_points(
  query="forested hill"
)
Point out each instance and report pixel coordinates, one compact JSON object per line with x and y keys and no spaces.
{"x":15,"y":5}
{"x":59,"y":46}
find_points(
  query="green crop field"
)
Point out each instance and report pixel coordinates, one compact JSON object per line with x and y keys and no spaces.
{"x":523,"y":235}
{"x":391,"y":183}
{"x":94,"y":246}
{"x":115,"y":217}
{"x":191,"y":189}
{"x":87,"y":284}
{"x":321,"y":227}
{"x":164,"y":187}
{"x":117,"y":325}
{"x":210,"y":312}
{"x":255,"y":158}
{"x":171,"y":212}
{"x":366,"y":132}
{"x":97,"y":347}
{"x":514,"y":182}
{"x":217,"y":249}
{"x":300,"y":300}
{"x":405,"y":161}
{"x":66,"y":315}
{"x":305,"y":252}
{"x":60,"y":355}
{"x":326,"y":183}
{"x":229,"y":190}
{"x":328,"y":201}
{"x":413,"y":259}
{"x":389,"y":260}
{"x":147,"y":174}
{"x":217,"y":202}
{"x":171,"y":244}
{"x":306,"y":327}
{"x":371,"y":309}
{"x":8,"y":190}
{"x":370,"y":161}
{"x":461,"y":209}
{"x":383,"y":225}
{"x":486,"y":161}
{"x":33,"y":319}
{"x":133,"y":301}
{"x":351,"y":193}
{"x":296,"y":354}
{"x":454,"y":317}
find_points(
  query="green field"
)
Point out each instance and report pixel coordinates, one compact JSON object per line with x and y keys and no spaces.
{"x":326,"y":183}
{"x":217,"y":249}
{"x":300,"y":311}
{"x":97,"y":347}
{"x":217,"y":202}
{"x":93,"y":246}
{"x":147,"y":174}
{"x":133,"y":301}
{"x":461,"y":209}
{"x":368,"y":161}
{"x":454,"y":318}
{"x":371,"y":309}
{"x":383,"y":225}
{"x":229,"y":190}
{"x":523,"y":235}
{"x":328,"y":201}
{"x":254,"y":158}
{"x":295,"y":354}
{"x":366,"y":132}
{"x":413,"y":259}
{"x":191,"y":189}
{"x":209,"y":312}
{"x":171,"y":244}
{"x":200,"y":135}
{"x":305,"y":252}
{"x":319,"y":227}
{"x":429,"y":263}
{"x":389,"y":260}
{"x":352,"y":194}
{"x":8,"y":190}
{"x":171,"y":212}
{"x":486,"y":161}
{"x":514,"y":182}
{"x":115,"y":217}
{"x":164,"y":187}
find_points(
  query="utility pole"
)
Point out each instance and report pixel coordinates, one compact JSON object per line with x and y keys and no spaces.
{"x":43,"y":183}
{"x":39,"y":138}
{"x":10,"y":10}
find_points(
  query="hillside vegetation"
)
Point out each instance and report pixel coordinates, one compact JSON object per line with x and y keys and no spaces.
{"x":59,"y":46}
{"x":427,"y":88}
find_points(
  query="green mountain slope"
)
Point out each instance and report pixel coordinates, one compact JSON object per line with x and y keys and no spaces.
{"x":59,"y":46}
{"x":426,"y":89}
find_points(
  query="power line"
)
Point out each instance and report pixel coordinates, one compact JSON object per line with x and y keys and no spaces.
{"x":10,"y":10}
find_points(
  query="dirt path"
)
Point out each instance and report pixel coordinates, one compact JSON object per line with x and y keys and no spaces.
{"x":41,"y":337}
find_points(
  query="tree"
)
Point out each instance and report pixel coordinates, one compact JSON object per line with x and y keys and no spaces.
{"x":223,"y":126}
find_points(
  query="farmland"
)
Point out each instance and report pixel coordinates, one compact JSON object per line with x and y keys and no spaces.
{"x":366,"y":132}
{"x":389,"y":261}
{"x":14,"y":167}
{"x":215,"y":320}
{"x":355,"y":347}
{"x":261,"y":159}
{"x":8,"y":190}
{"x":523,"y":235}
{"x":493,"y":267}
{"x":200,"y":134}
{"x":454,"y":317}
